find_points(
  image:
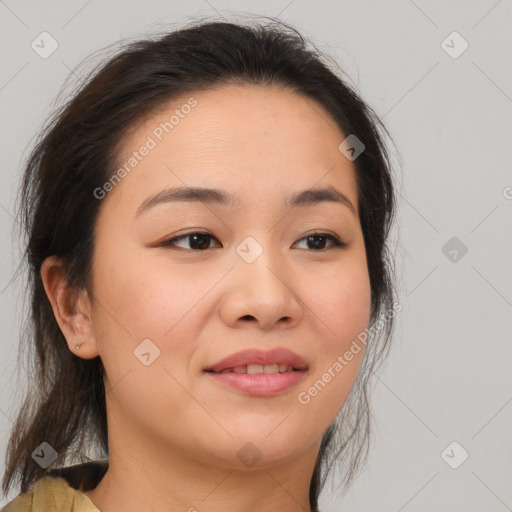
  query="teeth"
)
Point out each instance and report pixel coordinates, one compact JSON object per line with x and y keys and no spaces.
{"x":254,"y":369}
{"x":271,"y":368}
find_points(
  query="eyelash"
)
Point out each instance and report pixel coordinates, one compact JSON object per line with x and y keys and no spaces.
{"x":336,"y":242}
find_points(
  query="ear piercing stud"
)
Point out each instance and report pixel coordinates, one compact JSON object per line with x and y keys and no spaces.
{"x":77,"y":347}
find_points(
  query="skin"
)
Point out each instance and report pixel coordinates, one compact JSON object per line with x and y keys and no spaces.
{"x":174,"y":434}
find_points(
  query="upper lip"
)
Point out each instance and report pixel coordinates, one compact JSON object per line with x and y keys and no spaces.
{"x":263,"y":357}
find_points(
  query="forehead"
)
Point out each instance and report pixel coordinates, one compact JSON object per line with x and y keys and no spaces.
{"x":252,"y":138}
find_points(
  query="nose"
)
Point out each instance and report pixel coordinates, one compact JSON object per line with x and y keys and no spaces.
{"x":262,"y":294}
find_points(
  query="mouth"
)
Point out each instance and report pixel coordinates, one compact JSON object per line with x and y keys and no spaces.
{"x":256,"y":369}
{"x":259,"y":373}
{"x":255,"y":361}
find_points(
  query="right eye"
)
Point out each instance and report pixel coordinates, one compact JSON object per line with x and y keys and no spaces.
{"x":198,"y":241}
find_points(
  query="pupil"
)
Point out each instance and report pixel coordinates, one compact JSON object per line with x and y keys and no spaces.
{"x":203,"y":238}
{"x":318,"y":245}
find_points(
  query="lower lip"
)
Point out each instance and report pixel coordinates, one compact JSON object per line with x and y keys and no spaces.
{"x":261,"y":384}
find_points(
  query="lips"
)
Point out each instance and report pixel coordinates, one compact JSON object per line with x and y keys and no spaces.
{"x":258,"y":361}
{"x":255,"y":369}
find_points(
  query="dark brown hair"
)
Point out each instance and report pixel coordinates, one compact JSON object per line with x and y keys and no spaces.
{"x":76,"y":153}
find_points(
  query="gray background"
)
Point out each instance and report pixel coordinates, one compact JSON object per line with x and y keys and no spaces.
{"x":448,"y":375}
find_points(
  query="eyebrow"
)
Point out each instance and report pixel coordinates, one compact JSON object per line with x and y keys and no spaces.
{"x":301,"y":198}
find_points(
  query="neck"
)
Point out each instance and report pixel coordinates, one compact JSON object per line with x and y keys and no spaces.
{"x":144,"y":476}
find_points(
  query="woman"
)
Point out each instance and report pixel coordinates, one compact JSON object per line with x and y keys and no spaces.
{"x":211,"y":290}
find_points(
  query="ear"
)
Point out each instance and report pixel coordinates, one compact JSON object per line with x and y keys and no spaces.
{"x":71,"y":307}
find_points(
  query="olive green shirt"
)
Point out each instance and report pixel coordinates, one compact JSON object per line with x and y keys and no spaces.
{"x":61,"y":490}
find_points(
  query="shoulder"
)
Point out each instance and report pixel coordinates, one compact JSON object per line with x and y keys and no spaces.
{"x":60,"y":491}
{"x":51,"y":494}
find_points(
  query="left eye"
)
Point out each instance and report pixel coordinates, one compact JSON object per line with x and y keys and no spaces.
{"x":200,"y":241}
{"x":314,"y":237}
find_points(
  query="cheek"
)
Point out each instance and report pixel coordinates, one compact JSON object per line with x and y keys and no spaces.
{"x":142,"y":297}
{"x":342,"y":302}
{"x":342,"y":306}
{"x":135,"y":302}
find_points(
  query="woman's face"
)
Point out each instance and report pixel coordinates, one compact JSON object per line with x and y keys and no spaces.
{"x":165,"y":311}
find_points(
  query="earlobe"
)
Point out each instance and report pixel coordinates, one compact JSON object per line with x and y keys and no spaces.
{"x":71,"y":308}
